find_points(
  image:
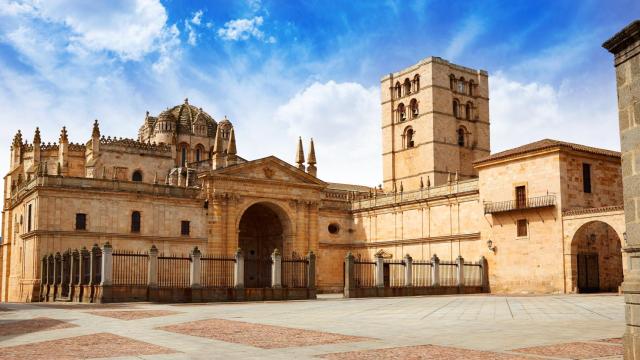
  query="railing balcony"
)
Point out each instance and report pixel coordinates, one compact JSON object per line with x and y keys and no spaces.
{"x":528,"y":203}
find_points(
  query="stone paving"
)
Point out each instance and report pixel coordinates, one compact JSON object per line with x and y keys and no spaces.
{"x":435,"y":327}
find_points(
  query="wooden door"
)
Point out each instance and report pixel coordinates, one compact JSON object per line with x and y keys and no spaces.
{"x":588,"y":273}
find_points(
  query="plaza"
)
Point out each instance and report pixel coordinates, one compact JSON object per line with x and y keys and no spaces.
{"x":586,"y":326}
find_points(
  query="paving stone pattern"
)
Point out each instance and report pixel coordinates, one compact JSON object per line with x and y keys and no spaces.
{"x":447,"y":327}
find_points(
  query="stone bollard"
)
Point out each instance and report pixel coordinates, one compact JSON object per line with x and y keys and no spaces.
{"x":276,"y":269}
{"x":408,"y":270}
{"x":152,"y":275}
{"x":379,"y":271}
{"x":194,"y":271}
{"x":311,"y":270}
{"x":435,"y":271}
{"x":484,"y":274}
{"x":349,"y":280}
{"x":460,"y":268}
{"x":107,"y":264}
{"x":238,"y":273}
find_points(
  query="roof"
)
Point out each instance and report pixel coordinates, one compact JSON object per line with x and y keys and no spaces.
{"x":348,"y":187}
{"x":546,"y":144}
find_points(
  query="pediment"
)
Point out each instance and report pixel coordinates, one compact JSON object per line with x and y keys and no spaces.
{"x":270,"y":169}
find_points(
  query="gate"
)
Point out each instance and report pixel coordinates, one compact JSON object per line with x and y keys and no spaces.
{"x":257,"y":271}
{"x":588,"y":274}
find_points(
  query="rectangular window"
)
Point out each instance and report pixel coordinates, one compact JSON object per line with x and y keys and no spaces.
{"x":521,"y":197}
{"x":135,"y":222}
{"x":81,"y":221}
{"x":522,"y":227}
{"x":29,"y":218}
{"x":184,"y":228}
{"x":586,"y":178}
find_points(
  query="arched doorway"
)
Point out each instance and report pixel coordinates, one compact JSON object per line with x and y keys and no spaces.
{"x":263,"y":228}
{"x":597,"y":258}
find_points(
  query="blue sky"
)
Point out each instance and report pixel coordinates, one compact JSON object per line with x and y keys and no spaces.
{"x":283,"y":69}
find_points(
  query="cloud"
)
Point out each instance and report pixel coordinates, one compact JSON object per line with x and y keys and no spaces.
{"x":190,"y":24}
{"x":344,"y":120}
{"x":466,"y":34}
{"x":197,"y":17}
{"x":244,"y":29}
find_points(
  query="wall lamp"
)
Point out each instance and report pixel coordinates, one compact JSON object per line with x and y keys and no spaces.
{"x":491,"y":246}
{"x":624,"y":235}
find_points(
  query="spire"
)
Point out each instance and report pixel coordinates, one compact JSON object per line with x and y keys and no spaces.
{"x":311,"y":160}
{"x":64,"y":138}
{"x":231,"y":149}
{"x":96,"y":129}
{"x":421,"y":183}
{"x":217,"y":147}
{"x":457,"y":178}
{"x":428,"y":182}
{"x":401,"y":187}
{"x":300,"y":155}
{"x":17,"y":140}
{"x":448,"y":177}
{"x":186,"y":101}
{"x":36,"y":136}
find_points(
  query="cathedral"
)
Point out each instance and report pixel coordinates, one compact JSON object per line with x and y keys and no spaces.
{"x":547,"y":216}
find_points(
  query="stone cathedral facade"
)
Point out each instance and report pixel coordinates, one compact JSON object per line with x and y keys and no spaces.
{"x":547,"y":216}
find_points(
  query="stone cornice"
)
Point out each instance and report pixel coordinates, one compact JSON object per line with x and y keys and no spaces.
{"x":376,"y":244}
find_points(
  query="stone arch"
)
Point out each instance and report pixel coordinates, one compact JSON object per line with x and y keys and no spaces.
{"x":596,"y":257}
{"x":262,"y":226}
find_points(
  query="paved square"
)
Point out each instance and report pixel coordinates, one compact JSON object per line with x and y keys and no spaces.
{"x":19,"y":327}
{"x":451,"y":327}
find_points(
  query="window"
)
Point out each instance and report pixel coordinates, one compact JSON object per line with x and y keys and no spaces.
{"x":467,"y":111}
{"x":522,"y":227}
{"x":461,"y":85}
{"x":198,"y":154}
{"x":333,"y":228}
{"x":183,"y":156}
{"x":416,"y":82}
{"x":407,"y":86}
{"x":184,"y":227}
{"x":135,"y":222}
{"x":29,"y":218}
{"x":408,"y":135}
{"x":402,"y":114}
{"x":137,"y":176}
{"x":461,"y":137}
{"x":398,"y":90}
{"x":456,"y":107}
{"x":81,"y":221}
{"x":586,"y":178}
{"x":471,"y":85}
{"x":414,"y":108}
{"x":521,"y":196}
{"x":452,"y":82}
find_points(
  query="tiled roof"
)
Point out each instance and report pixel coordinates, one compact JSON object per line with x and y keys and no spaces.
{"x":349,"y":187}
{"x":545,"y":145}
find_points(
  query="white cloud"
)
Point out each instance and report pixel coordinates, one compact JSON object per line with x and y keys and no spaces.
{"x":244,"y":29}
{"x":197,"y":17}
{"x":344,"y":120}
{"x":190,"y":24}
{"x":466,"y":34}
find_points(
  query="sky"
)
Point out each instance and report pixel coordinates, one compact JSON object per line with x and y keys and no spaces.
{"x":283,"y":69}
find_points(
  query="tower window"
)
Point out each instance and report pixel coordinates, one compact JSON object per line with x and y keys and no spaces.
{"x":198,"y":154}
{"x":467,"y":111}
{"x":586,"y":178}
{"x":135,"y":222}
{"x":184,"y":227}
{"x":416,"y":82}
{"x":456,"y":108}
{"x":183,"y":156}
{"x":407,"y":86}
{"x":461,"y":134}
{"x":471,"y":85}
{"x":461,"y":85}
{"x":408,"y":137}
{"x":398,"y":90}
{"x":81,"y":221}
{"x":414,"y":108}
{"x":137,"y":176}
{"x":402,"y":114}
{"x":452,"y":82}
{"x":29,"y":218}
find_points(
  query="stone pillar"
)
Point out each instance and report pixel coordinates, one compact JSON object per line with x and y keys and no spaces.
{"x":276,"y":269}
{"x":460,"y":268}
{"x":93,"y":264}
{"x":43,"y":277}
{"x":408,"y":270}
{"x":83,"y":264}
{"x":57,"y":269}
{"x":238,"y":273}
{"x":484,"y":274}
{"x":379,"y":271}
{"x":107,"y":264}
{"x":311,"y":270}
{"x":349,"y":280}
{"x":194,"y":271}
{"x":435,"y":270}
{"x":152,"y":275}
{"x":625,"y":46}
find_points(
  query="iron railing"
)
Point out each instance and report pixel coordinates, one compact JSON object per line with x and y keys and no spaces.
{"x":364,"y":273}
{"x":217,"y":271}
{"x":421,"y":273}
{"x":294,"y":272}
{"x":130,"y":267}
{"x":393,"y":272}
{"x":173,"y":271}
{"x":448,"y":273}
{"x":472,"y":274}
{"x":528,"y":203}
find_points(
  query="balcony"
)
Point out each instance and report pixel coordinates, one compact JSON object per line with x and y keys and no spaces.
{"x":528,"y":203}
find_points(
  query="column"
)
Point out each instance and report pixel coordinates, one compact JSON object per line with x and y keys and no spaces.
{"x":152,"y":275}
{"x":408,"y":270}
{"x":311,"y":270}
{"x":276,"y":269}
{"x":194,"y":271}
{"x":238,"y":273}
{"x":379,"y":271}
{"x":349,"y":282}
{"x":107,"y":264}
{"x":435,"y":270}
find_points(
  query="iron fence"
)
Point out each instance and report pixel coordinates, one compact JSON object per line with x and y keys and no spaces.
{"x":528,"y":203}
{"x":472,"y":274}
{"x":364,"y":273}
{"x":421,"y":273}
{"x":394,"y":271}
{"x":130,"y":268}
{"x":217,"y":271}
{"x":173,"y":271}
{"x":448,"y":273}
{"x":294,"y":272}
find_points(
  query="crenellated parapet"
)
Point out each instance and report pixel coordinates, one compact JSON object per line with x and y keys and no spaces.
{"x":133,"y":146}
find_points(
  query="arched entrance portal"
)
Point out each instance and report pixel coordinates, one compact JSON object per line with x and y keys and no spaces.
{"x":263,"y":228}
{"x":597,"y":258}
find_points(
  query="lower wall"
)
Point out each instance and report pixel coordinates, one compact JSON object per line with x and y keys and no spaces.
{"x":410,"y":291}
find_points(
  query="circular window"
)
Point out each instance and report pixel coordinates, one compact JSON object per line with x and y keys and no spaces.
{"x":333,"y":228}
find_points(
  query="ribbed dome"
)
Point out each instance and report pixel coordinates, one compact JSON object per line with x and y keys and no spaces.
{"x":185,"y":115}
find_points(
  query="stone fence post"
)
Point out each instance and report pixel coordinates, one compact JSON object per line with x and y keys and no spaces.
{"x":238,"y":271}
{"x":194,"y":271}
{"x":152,"y":275}
{"x":349,"y":280}
{"x":276,"y":269}
{"x":311,"y":270}
{"x":435,"y":271}
{"x":484,"y":274}
{"x":408,"y":270}
{"x":460,"y":267}
{"x":379,"y":270}
{"x":107,"y":264}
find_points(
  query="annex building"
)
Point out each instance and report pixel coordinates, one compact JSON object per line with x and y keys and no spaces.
{"x":547,"y":216}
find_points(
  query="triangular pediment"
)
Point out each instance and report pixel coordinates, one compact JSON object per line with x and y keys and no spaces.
{"x":269,"y":169}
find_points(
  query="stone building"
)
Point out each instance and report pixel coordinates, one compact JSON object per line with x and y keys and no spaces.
{"x":547,"y":216}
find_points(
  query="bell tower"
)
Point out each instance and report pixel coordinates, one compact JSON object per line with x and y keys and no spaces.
{"x":435,"y":122}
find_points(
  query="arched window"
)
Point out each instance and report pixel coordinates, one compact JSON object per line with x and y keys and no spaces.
{"x":456,"y":108}
{"x":402,"y":113}
{"x":407,"y":86}
{"x":199,"y":153}
{"x":137,"y":176}
{"x":461,"y":137}
{"x":452,"y":82}
{"x":408,"y":137}
{"x":183,"y":156}
{"x":398,"y":90}
{"x":471,"y":85}
{"x":135,"y":222}
{"x":461,"y":85}
{"x":414,"y":108}
{"x":467,"y":110}
{"x":416,"y":83}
